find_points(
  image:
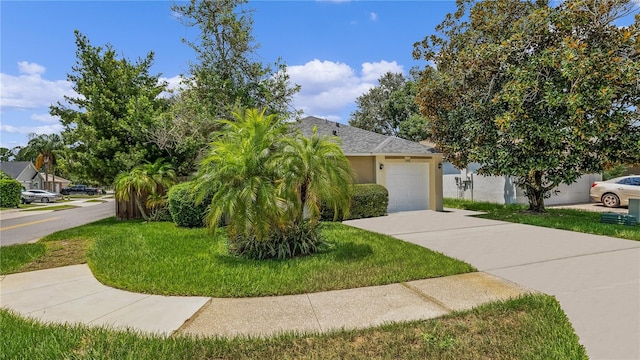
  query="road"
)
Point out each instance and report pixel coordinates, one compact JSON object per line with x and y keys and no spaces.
{"x":29,"y":226}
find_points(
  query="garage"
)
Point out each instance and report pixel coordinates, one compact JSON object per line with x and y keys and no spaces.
{"x":408,"y":186}
{"x":411,"y":172}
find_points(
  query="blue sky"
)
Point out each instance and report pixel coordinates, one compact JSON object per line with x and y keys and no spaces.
{"x":336,"y":50}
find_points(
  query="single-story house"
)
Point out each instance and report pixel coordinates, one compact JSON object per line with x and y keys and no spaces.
{"x":467,"y":184}
{"x":25,"y":172}
{"x":55,"y":183}
{"x":411,"y":172}
{"x":30,"y":178}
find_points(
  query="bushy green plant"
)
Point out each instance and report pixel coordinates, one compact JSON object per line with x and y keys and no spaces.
{"x":269,"y":183}
{"x":10,"y":193}
{"x":614,"y":172}
{"x":367,"y":200}
{"x":184,"y":209}
{"x":298,"y":239}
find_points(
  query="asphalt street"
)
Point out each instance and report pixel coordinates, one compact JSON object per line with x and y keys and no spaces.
{"x":28,"y":226}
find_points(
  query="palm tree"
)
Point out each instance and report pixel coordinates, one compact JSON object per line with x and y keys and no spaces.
{"x":148,"y":184}
{"x":268,"y":185}
{"x":315,"y":170}
{"x":47,"y":147}
{"x":239,"y":170}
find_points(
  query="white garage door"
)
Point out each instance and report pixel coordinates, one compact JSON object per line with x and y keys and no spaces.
{"x":408,"y":185}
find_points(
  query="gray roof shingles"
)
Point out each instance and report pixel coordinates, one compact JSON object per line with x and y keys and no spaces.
{"x":13,"y":168}
{"x":356,"y":141}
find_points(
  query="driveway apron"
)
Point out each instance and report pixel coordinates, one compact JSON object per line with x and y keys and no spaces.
{"x":595,"y":278}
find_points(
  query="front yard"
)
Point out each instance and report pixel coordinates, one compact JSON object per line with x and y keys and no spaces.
{"x":161,"y":258}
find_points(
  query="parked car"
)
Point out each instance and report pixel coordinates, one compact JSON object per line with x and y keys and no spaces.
{"x":616,"y":192}
{"x":79,"y":189}
{"x":32,"y":195}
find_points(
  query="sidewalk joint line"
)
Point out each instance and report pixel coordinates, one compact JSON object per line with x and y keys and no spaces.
{"x":121,"y":307}
{"x":457,"y":228}
{"x":315,"y":314}
{"x":67,"y":301}
{"x":561,"y":258}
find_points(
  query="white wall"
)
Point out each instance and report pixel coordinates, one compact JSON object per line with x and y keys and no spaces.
{"x":502,"y":190}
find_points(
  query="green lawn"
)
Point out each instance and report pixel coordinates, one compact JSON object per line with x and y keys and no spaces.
{"x":161,"y":258}
{"x":566,"y":219}
{"x":531,"y":327}
{"x":52,"y":207}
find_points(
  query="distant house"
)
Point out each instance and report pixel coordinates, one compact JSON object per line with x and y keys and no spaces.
{"x":30,"y":178}
{"x":411,"y":172}
{"x":467,"y":184}
{"x":55,"y":183}
{"x":25,"y":172}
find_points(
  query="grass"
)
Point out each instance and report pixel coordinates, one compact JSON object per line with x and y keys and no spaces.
{"x":52,"y":207}
{"x":566,"y":219}
{"x":43,"y":255}
{"x":14,"y":257}
{"x":530,"y":327}
{"x":161,"y":258}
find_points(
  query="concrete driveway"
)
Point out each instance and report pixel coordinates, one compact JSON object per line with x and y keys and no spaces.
{"x":595,"y":278}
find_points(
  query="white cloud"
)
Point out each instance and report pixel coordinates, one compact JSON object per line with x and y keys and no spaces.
{"x":373,"y":71}
{"x":28,"y":68}
{"x":327,"y":88}
{"x":26,"y":130}
{"x":174,"y":84}
{"x":373,"y":16}
{"x":45,"y":118}
{"x":29,"y":90}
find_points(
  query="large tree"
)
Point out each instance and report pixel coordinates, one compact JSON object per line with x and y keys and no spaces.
{"x":541,"y":93}
{"x":390,"y":108}
{"x":226,"y":74}
{"x":6,"y":154}
{"x":107,"y":124}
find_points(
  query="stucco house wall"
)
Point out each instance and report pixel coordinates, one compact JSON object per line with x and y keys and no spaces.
{"x":502,"y":190}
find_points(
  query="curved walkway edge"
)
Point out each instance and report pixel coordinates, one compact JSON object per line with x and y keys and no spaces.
{"x":72,"y":295}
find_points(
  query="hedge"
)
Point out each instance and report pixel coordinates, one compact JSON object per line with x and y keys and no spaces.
{"x":10,"y":192}
{"x":183,"y":208}
{"x":367,"y":200}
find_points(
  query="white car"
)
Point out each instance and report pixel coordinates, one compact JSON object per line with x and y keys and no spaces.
{"x":39,"y":195}
{"x":616,"y":192}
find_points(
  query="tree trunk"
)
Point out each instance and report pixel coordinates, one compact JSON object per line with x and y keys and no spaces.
{"x":535,"y":191}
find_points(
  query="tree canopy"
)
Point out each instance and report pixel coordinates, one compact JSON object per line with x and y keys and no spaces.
{"x":541,"y":93}
{"x":226,"y":75}
{"x":106,"y":124}
{"x":390,"y":108}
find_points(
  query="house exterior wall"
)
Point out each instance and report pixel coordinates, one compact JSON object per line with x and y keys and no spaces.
{"x":502,"y":190}
{"x":30,"y":178}
{"x":364,"y":166}
{"x":368,"y":171}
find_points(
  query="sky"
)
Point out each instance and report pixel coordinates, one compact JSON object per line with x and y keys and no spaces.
{"x":335,"y":50}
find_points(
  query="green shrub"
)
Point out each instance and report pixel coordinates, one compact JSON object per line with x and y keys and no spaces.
{"x":10,"y":191}
{"x":367,"y":200}
{"x":299,"y":239}
{"x":183,"y":208}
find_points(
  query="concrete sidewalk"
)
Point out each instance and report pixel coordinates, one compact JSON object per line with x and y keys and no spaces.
{"x":72,"y":295}
{"x":596,"y":279}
